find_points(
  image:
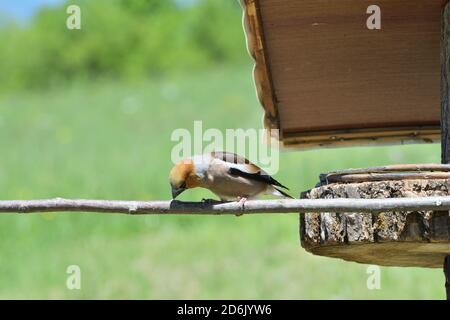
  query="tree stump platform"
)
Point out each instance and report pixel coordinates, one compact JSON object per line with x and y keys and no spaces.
{"x":406,"y":239}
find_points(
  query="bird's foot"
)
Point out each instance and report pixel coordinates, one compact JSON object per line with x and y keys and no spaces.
{"x":242,"y":201}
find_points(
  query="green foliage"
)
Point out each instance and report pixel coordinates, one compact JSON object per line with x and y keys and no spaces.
{"x":120,"y":39}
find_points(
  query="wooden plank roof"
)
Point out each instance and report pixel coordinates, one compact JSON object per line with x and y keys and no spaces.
{"x":325,"y":79}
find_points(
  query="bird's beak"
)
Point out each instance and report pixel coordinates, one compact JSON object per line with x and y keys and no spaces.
{"x":177,"y":191}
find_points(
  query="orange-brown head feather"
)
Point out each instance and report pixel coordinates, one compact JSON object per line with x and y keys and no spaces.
{"x":182,"y":177}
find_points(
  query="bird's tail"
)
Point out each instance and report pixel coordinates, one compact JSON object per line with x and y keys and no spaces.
{"x":281,"y":193}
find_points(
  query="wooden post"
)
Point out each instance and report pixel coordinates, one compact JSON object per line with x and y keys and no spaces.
{"x":445,"y":111}
{"x":447,"y":276}
{"x":445,"y":86}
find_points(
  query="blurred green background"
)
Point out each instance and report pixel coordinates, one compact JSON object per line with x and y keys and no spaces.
{"x":89,"y":114}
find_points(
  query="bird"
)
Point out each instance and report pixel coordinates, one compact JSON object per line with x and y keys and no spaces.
{"x":230,"y":176}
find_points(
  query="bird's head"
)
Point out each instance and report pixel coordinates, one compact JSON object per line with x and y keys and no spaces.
{"x":182,"y":177}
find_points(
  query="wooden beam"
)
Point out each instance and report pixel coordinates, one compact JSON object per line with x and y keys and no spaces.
{"x":445,"y":85}
{"x":445,"y":111}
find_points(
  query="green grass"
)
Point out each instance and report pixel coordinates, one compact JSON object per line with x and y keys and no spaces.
{"x":112,"y":140}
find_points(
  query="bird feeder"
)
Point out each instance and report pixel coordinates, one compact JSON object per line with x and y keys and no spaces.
{"x":335,"y":73}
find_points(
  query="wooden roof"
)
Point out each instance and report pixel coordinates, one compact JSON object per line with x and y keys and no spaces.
{"x":324,"y":79}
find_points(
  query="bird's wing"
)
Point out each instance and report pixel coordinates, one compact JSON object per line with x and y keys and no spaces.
{"x":241,"y":167}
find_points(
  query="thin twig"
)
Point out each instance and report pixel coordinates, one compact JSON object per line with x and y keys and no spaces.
{"x":218,"y":208}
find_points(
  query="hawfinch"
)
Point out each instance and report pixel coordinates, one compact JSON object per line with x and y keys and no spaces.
{"x":229,"y":176}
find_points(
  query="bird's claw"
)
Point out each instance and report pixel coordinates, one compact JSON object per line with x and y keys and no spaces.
{"x":242,"y":202}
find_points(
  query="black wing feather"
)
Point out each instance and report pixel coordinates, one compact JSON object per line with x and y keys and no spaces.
{"x":257,"y":177}
{"x":284,"y":193}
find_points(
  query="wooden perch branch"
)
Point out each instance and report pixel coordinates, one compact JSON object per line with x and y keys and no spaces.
{"x":218,"y":208}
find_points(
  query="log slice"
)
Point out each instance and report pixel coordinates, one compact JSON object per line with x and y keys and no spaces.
{"x":406,"y":239}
